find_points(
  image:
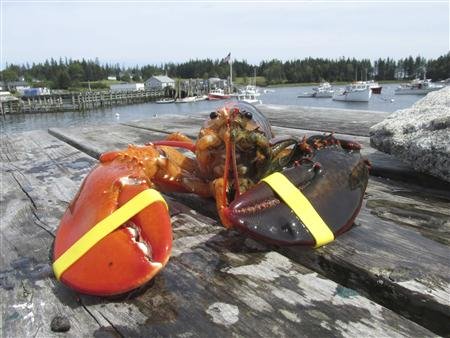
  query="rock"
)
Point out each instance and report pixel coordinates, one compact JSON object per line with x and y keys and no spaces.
{"x":420,"y":135}
{"x":60,"y":324}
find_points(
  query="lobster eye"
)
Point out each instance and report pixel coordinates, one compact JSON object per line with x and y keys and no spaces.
{"x":248,"y":115}
{"x":213,"y":115}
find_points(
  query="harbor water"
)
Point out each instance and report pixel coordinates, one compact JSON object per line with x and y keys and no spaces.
{"x":385,"y":102}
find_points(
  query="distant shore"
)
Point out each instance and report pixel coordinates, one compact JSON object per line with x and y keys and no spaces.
{"x":338,"y":83}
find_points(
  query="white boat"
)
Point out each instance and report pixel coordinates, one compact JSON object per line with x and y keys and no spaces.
{"x":249,"y":94}
{"x":325,"y":90}
{"x":418,"y":87}
{"x":306,"y":95}
{"x":374,"y":86}
{"x":355,"y":92}
{"x":166,"y":100}
{"x":201,"y":98}
{"x":217,"y":94}
{"x":186,"y":99}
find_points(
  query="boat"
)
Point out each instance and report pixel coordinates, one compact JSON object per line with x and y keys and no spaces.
{"x":249,"y":94}
{"x":306,"y":95}
{"x":325,"y":90}
{"x":355,"y":92}
{"x":166,"y":100}
{"x":418,"y":87}
{"x":217,"y":94}
{"x":201,"y":98}
{"x":186,"y":99}
{"x":374,"y":86}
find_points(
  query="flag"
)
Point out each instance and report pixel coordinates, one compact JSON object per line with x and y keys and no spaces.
{"x":227,"y":58}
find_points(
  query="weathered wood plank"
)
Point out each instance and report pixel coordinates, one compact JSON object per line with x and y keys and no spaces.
{"x":188,"y":125}
{"x":31,"y":163}
{"x":344,"y":121}
{"x":115,"y":135}
{"x":395,"y":220}
{"x":216,"y":283}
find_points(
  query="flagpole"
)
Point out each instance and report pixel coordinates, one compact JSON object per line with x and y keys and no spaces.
{"x":231,"y":74}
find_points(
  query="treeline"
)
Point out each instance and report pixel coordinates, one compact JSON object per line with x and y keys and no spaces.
{"x":66,"y":73}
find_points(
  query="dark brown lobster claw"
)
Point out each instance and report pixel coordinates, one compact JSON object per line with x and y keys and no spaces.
{"x":333,"y":181}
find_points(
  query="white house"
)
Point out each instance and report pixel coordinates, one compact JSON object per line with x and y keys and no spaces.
{"x":127,"y":87}
{"x":112,"y":78}
{"x":159,"y":82}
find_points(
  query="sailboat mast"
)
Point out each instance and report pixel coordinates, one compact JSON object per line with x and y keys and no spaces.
{"x":231,"y":74}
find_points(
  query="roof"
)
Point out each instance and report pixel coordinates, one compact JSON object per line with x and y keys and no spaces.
{"x":162,"y":78}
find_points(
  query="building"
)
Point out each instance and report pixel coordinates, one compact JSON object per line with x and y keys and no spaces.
{"x":33,"y":91}
{"x":159,"y":82}
{"x":127,"y":87}
{"x":112,"y":78}
{"x":215,"y":82}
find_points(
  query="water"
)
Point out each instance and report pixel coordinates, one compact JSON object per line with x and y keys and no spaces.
{"x":387,"y":102}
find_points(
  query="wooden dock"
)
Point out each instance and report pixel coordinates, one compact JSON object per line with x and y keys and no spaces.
{"x":389,"y":276}
{"x":78,"y":101}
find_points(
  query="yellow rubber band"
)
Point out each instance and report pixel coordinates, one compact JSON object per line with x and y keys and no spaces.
{"x":300,"y":205}
{"x":104,"y":228}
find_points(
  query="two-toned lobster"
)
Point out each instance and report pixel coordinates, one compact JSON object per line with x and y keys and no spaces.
{"x":116,"y":234}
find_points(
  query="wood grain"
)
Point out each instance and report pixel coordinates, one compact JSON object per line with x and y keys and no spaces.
{"x":217,"y":282}
{"x":378,"y":256}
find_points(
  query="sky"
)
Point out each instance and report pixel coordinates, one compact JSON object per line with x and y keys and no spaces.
{"x":140,"y":32}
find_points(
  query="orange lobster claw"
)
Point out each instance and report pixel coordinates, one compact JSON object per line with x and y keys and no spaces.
{"x":129,"y":256}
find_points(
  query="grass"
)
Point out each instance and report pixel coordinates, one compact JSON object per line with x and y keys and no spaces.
{"x":260,"y":81}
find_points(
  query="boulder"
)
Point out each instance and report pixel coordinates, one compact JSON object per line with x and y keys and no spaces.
{"x":420,"y":135}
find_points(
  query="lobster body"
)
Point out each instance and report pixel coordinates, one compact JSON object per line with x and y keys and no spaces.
{"x":235,"y":161}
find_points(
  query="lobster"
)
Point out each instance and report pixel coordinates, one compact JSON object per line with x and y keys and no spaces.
{"x":116,"y":234}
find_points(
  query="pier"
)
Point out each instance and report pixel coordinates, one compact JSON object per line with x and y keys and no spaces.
{"x":77,"y":101}
{"x":389,"y":275}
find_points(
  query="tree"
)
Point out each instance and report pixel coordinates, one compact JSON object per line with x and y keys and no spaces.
{"x":63,"y":80}
{"x":125,"y":77}
{"x":76,"y":72}
{"x":9,"y":74}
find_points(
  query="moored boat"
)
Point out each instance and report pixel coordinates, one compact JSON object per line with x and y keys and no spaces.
{"x":374,"y":86}
{"x":418,"y":87}
{"x":325,"y":90}
{"x":186,"y":99}
{"x":249,"y":94}
{"x":355,"y":92}
{"x":201,"y":98}
{"x":305,"y":95}
{"x":166,"y":100}
{"x":218,"y":94}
